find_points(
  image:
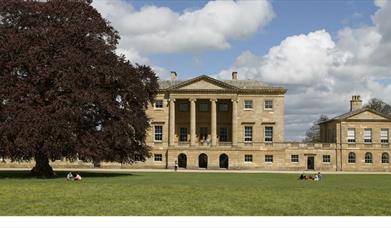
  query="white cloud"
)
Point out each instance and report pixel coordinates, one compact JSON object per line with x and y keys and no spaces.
{"x":160,"y":30}
{"x":321,"y":73}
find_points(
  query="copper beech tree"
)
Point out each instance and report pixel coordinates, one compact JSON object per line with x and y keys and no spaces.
{"x":64,"y":93}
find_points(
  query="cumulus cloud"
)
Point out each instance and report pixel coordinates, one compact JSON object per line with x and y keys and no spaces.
{"x":160,"y":30}
{"x":321,"y":73}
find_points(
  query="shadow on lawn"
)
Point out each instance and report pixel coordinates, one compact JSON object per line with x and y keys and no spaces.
{"x":23,"y":174}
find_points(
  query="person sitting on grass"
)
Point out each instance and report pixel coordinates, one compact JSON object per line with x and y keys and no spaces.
{"x":316,"y":177}
{"x":319,"y":176}
{"x":70,"y":176}
{"x":302,"y":177}
{"x":77,"y":177}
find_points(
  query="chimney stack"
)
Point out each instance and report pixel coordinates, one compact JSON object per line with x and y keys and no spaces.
{"x":355,"y":103}
{"x":234,"y":75}
{"x":173,"y":75}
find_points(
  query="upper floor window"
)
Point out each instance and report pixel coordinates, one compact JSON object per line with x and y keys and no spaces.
{"x":158,"y":133}
{"x":384,"y":135}
{"x":204,"y":107}
{"x":368,"y":135}
{"x":248,"y":104}
{"x":183,"y":134}
{"x":385,"y":158}
{"x":268,"y":134}
{"x":223,"y":137}
{"x":183,"y":107}
{"x":158,"y":104}
{"x":223,"y":107}
{"x":351,"y":135}
{"x":268,"y":158}
{"x":326,"y":158}
{"x":203,"y":133}
{"x":268,"y":105}
{"x":368,"y":157}
{"x":294,"y":158}
{"x":248,"y":134}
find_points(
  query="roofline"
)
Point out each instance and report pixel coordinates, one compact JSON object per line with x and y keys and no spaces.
{"x":355,"y":113}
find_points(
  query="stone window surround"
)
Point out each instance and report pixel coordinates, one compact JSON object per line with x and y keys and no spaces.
{"x":158,"y":157}
{"x":248,"y":158}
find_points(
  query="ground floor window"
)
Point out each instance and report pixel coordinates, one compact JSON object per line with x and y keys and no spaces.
{"x":326,"y":158}
{"x":248,"y":158}
{"x":385,"y":158}
{"x":158,"y":157}
{"x":294,"y":158}
{"x":368,"y":158}
{"x":352,"y":157}
{"x":268,"y":158}
{"x":183,"y":134}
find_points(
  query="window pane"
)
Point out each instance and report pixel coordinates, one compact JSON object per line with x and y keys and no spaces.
{"x":326,"y":158}
{"x":385,"y":158}
{"x":158,"y":133}
{"x":159,"y":104}
{"x":368,"y":158}
{"x":248,"y":104}
{"x":268,"y":104}
{"x":352,"y":157}
{"x":183,"y":134}
{"x":158,"y":157}
{"x":351,"y":135}
{"x":248,"y":134}
{"x":368,"y":135}
{"x":183,"y":107}
{"x":384,"y":135}
{"x":268,"y":134}
{"x":204,"y":107}
{"x":248,"y":158}
{"x":223,"y":134}
{"x":294,"y":158}
{"x":268,"y":158}
{"x":223,"y":107}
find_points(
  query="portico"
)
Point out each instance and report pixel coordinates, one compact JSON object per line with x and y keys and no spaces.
{"x":201,"y":121}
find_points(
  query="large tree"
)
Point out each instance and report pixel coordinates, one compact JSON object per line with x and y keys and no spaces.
{"x":313,"y":134}
{"x":379,"y":105}
{"x":64,"y":93}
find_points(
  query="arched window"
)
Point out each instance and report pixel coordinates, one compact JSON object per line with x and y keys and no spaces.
{"x":368,"y":158}
{"x":385,"y":158}
{"x":352,"y":157}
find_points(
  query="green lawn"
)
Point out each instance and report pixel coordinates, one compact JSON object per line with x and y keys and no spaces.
{"x":194,"y":194}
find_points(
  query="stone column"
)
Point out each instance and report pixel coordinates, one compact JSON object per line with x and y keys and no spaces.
{"x":213,"y":122}
{"x":234,"y":122}
{"x":192,"y":121}
{"x":172,"y":122}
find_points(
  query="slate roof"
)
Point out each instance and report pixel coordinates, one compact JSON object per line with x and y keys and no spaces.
{"x":240,"y":84}
{"x":355,"y":112}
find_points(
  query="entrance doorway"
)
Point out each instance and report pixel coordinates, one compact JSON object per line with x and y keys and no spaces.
{"x":182,"y":161}
{"x":223,"y":161}
{"x":203,"y":161}
{"x":310,"y":163}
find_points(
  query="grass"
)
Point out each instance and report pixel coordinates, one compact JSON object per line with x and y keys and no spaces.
{"x":194,"y":194}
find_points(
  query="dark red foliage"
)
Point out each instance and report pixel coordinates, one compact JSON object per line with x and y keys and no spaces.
{"x":63,"y":90}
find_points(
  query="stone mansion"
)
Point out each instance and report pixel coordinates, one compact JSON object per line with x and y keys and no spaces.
{"x":205,"y":123}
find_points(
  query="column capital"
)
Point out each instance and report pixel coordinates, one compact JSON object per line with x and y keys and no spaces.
{"x":213,"y":99}
{"x":192,"y":99}
{"x":235,"y":99}
{"x":172,"y":99}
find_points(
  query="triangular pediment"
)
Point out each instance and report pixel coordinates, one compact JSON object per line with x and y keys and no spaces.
{"x":367,"y":115}
{"x":202,"y":83}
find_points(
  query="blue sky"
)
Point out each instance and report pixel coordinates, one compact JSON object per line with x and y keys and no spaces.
{"x":322,"y":51}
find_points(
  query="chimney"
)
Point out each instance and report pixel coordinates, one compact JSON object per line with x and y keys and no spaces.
{"x":355,"y":103}
{"x":173,"y":75}
{"x":234,"y":75}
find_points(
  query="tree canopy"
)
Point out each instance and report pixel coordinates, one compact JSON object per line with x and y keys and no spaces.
{"x":313,"y":134}
{"x":379,"y":105}
{"x":64,"y":93}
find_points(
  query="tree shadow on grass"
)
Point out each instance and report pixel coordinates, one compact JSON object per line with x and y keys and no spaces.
{"x":25,"y":174}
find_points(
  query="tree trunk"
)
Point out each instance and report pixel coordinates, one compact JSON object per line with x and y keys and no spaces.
{"x":42,"y":168}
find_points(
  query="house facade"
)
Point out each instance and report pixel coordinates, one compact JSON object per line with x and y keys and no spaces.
{"x":205,"y":123}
